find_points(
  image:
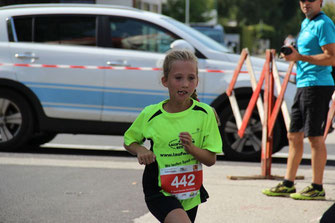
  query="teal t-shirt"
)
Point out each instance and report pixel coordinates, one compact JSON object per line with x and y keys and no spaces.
{"x":313,"y":34}
{"x":163,"y":128}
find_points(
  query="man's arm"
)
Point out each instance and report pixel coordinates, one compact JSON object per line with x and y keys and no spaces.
{"x":327,"y":58}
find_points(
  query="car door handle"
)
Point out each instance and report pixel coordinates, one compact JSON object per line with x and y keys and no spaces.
{"x":26,"y":56}
{"x":119,"y":63}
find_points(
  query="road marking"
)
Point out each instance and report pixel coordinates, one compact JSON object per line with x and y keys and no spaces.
{"x":120,"y":148}
{"x":70,"y":163}
{"x":304,"y":156}
{"x":148,"y":217}
{"x":77,"y":146}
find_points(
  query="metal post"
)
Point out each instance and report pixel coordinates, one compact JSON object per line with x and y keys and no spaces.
{"x":187,"y":12}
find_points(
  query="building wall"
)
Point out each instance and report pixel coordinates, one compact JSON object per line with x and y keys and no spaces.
{"x":148,"y":5}
{"x":151,"y":5}
{"x":116,"y":2}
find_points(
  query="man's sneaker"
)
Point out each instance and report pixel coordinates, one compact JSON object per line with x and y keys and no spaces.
{"x":309,"y":193}
{"x":280,"y":191}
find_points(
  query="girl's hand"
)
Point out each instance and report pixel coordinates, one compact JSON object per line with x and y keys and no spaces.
{"x":145,"y":156}
{"x":202,"y":155}
{"x":186,"y":141}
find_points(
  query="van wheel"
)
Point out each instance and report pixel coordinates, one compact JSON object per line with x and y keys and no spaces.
{"x":40,"y":138}
{"x":16,"y":120}
{"x":247,"y":148}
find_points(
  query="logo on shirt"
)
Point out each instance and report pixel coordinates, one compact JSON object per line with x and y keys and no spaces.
{"x":198,"y":130}
{"x":175,"y":144}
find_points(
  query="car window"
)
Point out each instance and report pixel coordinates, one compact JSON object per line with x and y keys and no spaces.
{"x":73,"y":30}
{"x":127,"y":33}
{"x":213,"y":33}
{"x":23,"y":27}
{"x":57,"y":29}
{"x":207,"y":41}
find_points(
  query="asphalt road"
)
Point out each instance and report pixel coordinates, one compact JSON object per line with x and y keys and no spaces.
{"x":99,"y":142}
{"x":92,"y":179}
{"x":38,"y":187}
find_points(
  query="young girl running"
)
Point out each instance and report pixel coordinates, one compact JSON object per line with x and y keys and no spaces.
{"x":183,"y":134}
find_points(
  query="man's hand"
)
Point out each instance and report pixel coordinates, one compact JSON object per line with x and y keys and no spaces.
{"x":294,"y":56}
{"x":327,"y":58}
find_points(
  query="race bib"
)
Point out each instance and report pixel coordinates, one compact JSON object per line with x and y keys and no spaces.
{"x":183,"y":182}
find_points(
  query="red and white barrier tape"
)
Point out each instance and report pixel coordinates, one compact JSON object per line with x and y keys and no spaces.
{"x":105,"y":67}
{"x":110,"y":68}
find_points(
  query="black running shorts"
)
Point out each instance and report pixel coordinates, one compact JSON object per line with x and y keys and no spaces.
{"x":310,"y":109}
{"x":160,"y":206}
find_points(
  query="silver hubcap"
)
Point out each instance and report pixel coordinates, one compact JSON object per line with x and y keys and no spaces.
{"x":10,"y":120}
{"x":249,"y":140}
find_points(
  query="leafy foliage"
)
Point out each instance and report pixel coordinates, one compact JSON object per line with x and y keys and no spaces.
{"x":329,"y":9}
{"x":280,"y":17}
{"x":199,"y":10}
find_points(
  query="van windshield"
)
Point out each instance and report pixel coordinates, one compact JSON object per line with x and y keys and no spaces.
{"x":215,"y":34}
{"x":207,"y":41}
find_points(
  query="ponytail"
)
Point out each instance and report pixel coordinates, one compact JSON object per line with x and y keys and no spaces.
{"x":195,"y":95}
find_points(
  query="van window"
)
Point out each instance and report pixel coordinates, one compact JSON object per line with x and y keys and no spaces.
{"x":57,"y":29}
{"x":23,"y":28}
{"x":70,"y":30}
{"x":127,"y":33}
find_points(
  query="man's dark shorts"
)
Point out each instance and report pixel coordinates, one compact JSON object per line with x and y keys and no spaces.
{"x":310,"y":109}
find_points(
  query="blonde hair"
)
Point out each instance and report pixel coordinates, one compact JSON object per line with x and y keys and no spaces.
{"x":179,"y":55}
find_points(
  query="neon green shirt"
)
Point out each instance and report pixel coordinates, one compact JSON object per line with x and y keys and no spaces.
{"x":163,"y":128}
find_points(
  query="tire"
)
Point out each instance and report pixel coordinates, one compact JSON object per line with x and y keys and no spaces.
{"x":40,"y":138}
{"x":16,"y":120}
{"x":247,"y":148}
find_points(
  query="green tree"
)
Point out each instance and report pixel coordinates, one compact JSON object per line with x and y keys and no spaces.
{"x":282,"y":16}
{"x":329,"y":9}
{"x":246,"y":12}
{"x":199,"y":10}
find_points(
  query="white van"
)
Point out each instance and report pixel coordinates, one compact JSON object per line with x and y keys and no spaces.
{"x":90,"y":69}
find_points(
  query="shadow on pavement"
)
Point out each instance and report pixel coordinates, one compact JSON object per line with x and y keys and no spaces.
{"x":120,"y":153}
{"x":70,"y":151}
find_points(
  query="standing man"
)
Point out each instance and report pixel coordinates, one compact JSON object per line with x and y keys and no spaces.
{"x":315,"y":85}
